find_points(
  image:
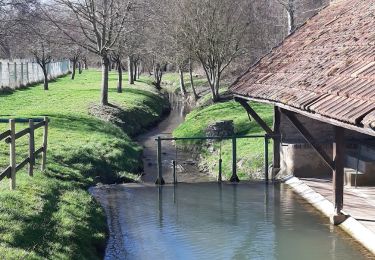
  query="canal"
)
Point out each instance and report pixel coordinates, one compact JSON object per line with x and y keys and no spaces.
{"x":198,"y":219}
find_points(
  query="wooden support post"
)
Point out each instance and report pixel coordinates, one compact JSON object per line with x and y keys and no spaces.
{"x":234,"y":177}
{"x":31,"y":148}
{"x":45,"y":143}
{"x":309,"y":138}
{"x":254,"y":115}
{"x":338,"y":175}
{"x":276,"y":141}
{"x":159,"y":180}
{"x":12,"y":154}
{"x":266,"y":158}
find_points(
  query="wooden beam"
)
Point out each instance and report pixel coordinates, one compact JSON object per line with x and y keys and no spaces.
{"x":276,"y":140}
{"x":338,"y":173}
{"x":254,"y":115}
{"x":309,"y":138}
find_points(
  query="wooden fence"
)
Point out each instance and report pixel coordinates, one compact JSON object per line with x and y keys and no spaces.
{"x":10,"y":136}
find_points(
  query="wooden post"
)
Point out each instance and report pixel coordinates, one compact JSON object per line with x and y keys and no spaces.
{"x":276,"y":141}
{"x":234,"y":177}
{"x":266,"y":158}
{"x":219,"y":177}
{"x":31,"y":148}
{"x":159,"y":180}
{"x":45,"y":143}
{"x":12,"y":154}
{"x":338,"y":174}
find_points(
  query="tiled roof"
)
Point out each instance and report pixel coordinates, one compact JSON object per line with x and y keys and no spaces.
{"x":327,"y":67}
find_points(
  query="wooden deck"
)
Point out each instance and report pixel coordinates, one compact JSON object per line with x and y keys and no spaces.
{"x":358,"y":202}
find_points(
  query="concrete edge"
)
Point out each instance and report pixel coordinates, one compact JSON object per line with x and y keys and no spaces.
{"x":354,"y":228}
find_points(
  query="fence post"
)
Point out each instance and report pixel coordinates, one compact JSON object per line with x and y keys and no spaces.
{"x":12,"y":154}
{"x":174,"y":172}
{"x":45,"y":136}
{"x":266,"y":158}
{"x":31,"y":148}
{"x":219,"y":177}
{"x":160,"y":179}
{"x":234,"y":177}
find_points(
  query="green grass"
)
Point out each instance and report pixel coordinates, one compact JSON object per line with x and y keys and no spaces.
{"x":171,"y":81}
{"x":250,"y":152}
{"x":52,"y":215}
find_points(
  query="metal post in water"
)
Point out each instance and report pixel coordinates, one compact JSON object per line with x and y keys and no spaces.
{"x":219,"y":177}
{"x":174,"y":172}
{"x":159,"y":180}
{"x":266,"y":158}
{"x":234,"y":177}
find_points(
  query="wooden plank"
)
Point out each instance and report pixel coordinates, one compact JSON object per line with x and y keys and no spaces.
{"x":4,"y":135}
{"x":21,"y":120}
{"x":254,"y":115}
{"x":309,"y":138}
{"x":39,"y":125}
{"x":39,"y":151}
{"x":19,"y":135}
{"x":338,"y":173}
{"x":22,"y":164}
{"x":12,"y":154}
{"x":5,"y":173}
{"x":276,"y":140}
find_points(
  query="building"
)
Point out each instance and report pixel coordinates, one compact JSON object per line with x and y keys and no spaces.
{"x":321,"y":81}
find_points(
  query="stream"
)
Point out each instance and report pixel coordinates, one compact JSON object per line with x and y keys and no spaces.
{"x":201,"y":219}
{"x":187,"y":168}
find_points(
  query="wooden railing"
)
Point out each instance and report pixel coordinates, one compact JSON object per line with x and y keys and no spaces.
{"x":10,"y":136}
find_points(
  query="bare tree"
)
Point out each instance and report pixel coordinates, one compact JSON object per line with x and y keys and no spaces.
{"x":214,"y":30}
{"x":101,"y":22}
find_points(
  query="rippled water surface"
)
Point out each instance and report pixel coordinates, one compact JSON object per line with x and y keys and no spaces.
{"x":212,"y":221}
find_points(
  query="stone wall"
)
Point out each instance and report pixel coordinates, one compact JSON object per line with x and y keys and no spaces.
{"x":300,"y":159}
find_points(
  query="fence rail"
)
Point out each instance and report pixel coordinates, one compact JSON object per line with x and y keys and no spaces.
{"x":18,"y":73}
{"x":234,"y":177}
{"x":10,"y":136}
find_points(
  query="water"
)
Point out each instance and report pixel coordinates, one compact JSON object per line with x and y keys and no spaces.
{"x":187,"y":168}
{"x":212,"y":221}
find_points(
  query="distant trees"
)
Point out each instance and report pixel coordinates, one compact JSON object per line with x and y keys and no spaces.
{"x":205,"y":35}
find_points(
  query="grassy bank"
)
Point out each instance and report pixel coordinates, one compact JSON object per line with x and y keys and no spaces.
{"x":250,"y":153}
{"x":51,"y":215}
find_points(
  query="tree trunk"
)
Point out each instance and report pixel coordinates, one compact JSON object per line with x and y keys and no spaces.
{"x":45,"y":73}
{"x":85,"y":66}
{"x":130,"y":70}
{"x":139,"y":70}
{"x":119,"y":83}
{"x":135,"y":68}
{"x":105,"y":72}
{"x":192,"y":80}
{"x":79,"y":67}
{"x":182,"y":83}
{"x":73,"y":69}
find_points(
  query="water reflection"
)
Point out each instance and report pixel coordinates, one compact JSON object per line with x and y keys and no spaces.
{"x":217,"y":221}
